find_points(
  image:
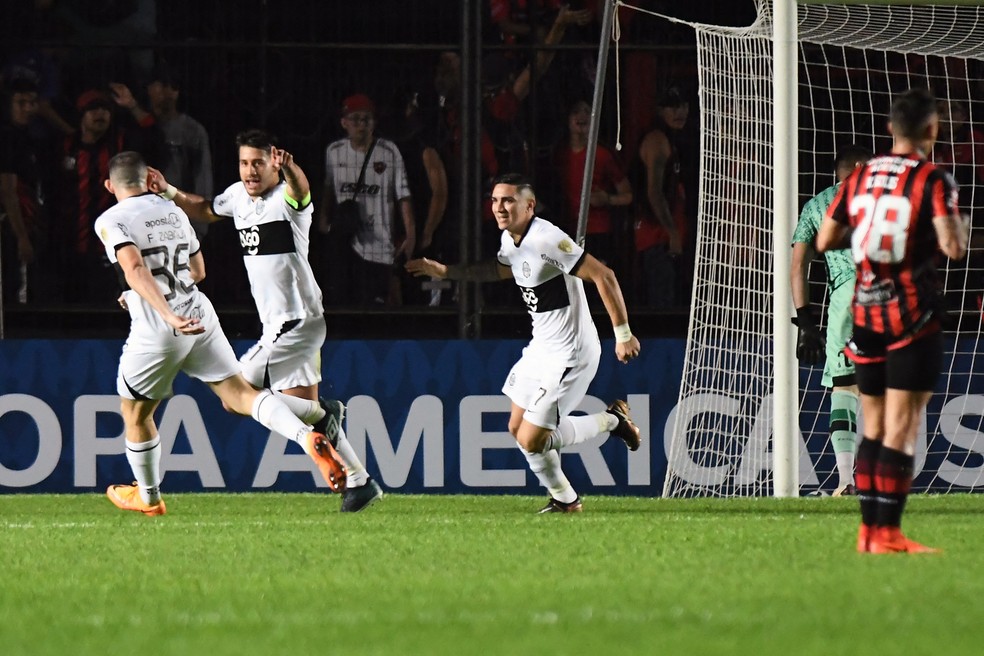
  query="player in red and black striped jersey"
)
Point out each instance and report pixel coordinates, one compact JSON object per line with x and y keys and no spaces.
{"x":896,"y":212}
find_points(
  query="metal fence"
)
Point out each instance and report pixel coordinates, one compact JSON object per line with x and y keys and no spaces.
{"x":286,"y":66}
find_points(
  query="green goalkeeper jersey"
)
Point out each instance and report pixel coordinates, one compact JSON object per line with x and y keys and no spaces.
{"x":840,"y":265}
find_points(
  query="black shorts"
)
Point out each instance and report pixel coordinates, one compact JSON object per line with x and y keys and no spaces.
{"x":883,"y":362}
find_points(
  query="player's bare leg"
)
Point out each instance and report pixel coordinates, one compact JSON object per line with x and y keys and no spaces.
{"x":143,"y":453}
{"x":265,"y":407}
{"x":360,"y":490}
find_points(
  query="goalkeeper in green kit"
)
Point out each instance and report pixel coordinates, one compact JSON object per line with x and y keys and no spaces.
{"x":811,"y":346}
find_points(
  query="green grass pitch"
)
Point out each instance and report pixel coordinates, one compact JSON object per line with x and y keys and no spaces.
{"x":287,"y":574}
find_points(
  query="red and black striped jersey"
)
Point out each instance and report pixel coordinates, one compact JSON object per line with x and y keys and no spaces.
{"x":890,"y":203}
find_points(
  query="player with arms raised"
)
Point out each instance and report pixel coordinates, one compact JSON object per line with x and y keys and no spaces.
{"x":552,"y":376}
{"x":173,"y":327}
{"x":896,"y":212}
{"x":273,"y":219}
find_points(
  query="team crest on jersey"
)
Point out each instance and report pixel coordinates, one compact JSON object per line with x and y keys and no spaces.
{"x":379,"y":167}
{"x":527,"y":271}
{"x":566,"y":246}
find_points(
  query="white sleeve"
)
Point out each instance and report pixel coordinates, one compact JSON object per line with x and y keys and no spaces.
{"x":401,"y":188}
{"x":559,"y":249}
{"x":112,"y":234}
{"x":225,"y":203}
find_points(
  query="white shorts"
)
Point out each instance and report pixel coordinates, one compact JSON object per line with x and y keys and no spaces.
{"x":548,"y":390}
{"x":151,"y":362}
{"x":287,"y":355}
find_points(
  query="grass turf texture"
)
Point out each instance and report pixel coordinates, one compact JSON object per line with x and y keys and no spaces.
{"x":287,"y":574}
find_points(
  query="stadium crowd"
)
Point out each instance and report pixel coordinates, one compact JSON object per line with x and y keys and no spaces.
{"x":84,"y":81}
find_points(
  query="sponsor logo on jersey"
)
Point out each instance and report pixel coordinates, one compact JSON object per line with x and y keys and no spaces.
{"x":169,"y":220}
{"x":122,"y":228}
{"x":273,"y":238}
{"x":349,"y":188}
{"x":529,"y":298}
{"x":552,"y":262}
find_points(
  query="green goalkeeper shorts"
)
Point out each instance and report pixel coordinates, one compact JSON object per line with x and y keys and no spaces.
{"x":840,"y":322}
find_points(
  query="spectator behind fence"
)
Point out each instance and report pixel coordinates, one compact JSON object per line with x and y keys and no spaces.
{"x":609,"y":186}
{"x":24,"y":167}
{"x":661,"y":221}
{"x":428,"y":183}
{"x":187,"y":156}
{"x":80,"y":196}
{"x":505,"y":87}
{"x":370,"y":171}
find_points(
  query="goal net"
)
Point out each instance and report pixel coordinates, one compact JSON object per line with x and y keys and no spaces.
{"x":853,"y":59}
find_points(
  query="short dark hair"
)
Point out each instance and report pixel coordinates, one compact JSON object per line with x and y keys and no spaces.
{"x":259,"y":139}
{"x":518,"y":180}
{"x":911,"y":111}
{"x":128,"y":169}
{"x":848,"y":156}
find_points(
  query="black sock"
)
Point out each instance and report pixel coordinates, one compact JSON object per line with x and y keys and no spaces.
{"x":864,"y":479}
{"x":893,"y":479}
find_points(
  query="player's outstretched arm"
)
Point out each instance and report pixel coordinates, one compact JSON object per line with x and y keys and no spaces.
{"x":195,"y":206}
{"x":298,"y":186}
{"x":485,"y":271}
{"x":593,"y":270}
{"x":141,"y":280}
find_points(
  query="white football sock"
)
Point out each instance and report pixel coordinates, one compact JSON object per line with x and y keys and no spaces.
{"x":357,"y":474}
{"x":307,"y":411}
{"x":546,"y":466}
{"x":145,"y":461}
{"x":275,"y":415}
{"x":574,"y":430}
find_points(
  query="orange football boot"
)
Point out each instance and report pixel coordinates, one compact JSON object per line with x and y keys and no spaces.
{"x":329,"y":462}
{"x":864,"y":537}
{"x":889,"y":539}
{"x":127,"y":497}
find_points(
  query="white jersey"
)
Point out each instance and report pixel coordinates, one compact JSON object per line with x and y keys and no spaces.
{"x":163,"y":234}
{"x":384,"y":185}
{"x":273,"y":233}
{"x":543,"y":264}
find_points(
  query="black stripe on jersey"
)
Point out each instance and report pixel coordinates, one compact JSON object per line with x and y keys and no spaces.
{"x":274,"y":238}
{"x":121,"y":277}
{"x":134,"y":393}
{"x":126,"y":243}
{"x":577,"y":265}
{"x":549,"y":295}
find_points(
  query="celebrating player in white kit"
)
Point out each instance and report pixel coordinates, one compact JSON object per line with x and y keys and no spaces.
{"x":173,"y":327}
{"x":553,"y":374}
{"x":273,"y":218}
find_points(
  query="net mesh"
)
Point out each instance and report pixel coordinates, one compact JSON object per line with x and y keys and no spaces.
{"x":853,"y":60}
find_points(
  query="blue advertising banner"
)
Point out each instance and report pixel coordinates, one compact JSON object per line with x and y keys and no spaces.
{"x":426,"y":416}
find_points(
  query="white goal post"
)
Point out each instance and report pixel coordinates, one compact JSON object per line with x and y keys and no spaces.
{"x":777,"y":100}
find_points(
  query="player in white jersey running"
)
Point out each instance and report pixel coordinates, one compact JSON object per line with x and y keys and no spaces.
{"x":273,"y":218}
{"x":173,"y":327}
{"x":553,"y":374}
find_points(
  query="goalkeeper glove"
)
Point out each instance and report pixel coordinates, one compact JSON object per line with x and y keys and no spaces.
{"x":810,"y":345}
